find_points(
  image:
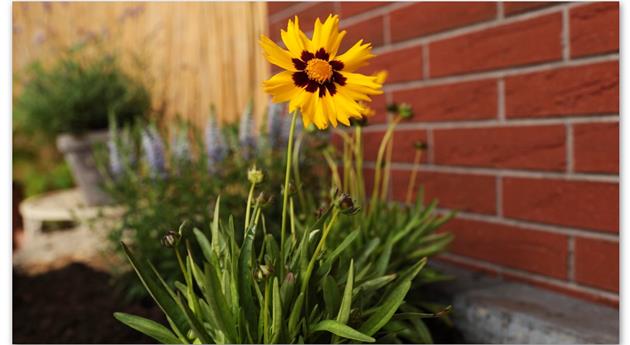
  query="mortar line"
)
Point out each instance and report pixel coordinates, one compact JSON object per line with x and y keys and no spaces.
{"x":387,"y":35}
{"x":533,"y":174}
{"x":500,"y":10}
{"x":566,"y":39}
{"x":519,"y":122}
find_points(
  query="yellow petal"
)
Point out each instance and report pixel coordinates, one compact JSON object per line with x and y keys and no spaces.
{"x":362,"y":83}
{"x":356,"y":56}
{"x":275,"y":54}
{"x":281,"y":87}
{"x":293,"y":38}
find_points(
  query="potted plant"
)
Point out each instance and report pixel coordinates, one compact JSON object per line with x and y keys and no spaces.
{"x":71,"y":100}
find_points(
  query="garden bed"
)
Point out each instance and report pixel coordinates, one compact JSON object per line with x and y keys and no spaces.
{"x":73,"y":304}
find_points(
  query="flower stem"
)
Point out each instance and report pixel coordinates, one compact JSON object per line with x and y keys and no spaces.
{"x":285,"y":195}
{"x":318,"y":249}
{"x":249,"y":205}
{"x":412,"y":178}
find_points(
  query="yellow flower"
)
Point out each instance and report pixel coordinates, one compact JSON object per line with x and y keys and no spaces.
{"x":317,"y":81}
{"x":380,"y":78}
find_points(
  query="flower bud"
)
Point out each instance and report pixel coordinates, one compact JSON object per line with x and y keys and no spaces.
{"x":405,"y":111}
{"x":346,"y":204}
{"x":255,"y":175}
{"x":171,"y":239}
{"x":420,"y":145}
{"x":360,"y":122}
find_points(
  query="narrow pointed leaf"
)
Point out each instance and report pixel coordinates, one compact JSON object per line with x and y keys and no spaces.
{"x":148,"y":327}
{"x":341,"y":330}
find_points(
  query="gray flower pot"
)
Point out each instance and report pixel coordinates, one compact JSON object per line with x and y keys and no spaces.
{"x":78,"y":151}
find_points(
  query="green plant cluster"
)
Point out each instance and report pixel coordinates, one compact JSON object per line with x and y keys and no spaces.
{"x":74,"y":94}
{"x":77,"y":94}
{"x":340,"y":274}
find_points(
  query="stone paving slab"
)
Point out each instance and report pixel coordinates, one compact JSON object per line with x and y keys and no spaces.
{"x":489,"y":310}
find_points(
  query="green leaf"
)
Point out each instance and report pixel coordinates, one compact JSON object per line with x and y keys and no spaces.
{"x":341,"y":330}
{"x":276,"y":313}
{"x":245,"y":280}
{"x":148,"y":327}
{"x":161,"y":296}
{"x":394,"y":299}
{"x":294,"y":317}
{"x":374,"y":284}
{"x":194,"y":322}
{"x":346,"y":302}
{"x":205,"y":245}
{"x":218,"y":303}
{"x":215,"y":227}
{"x":330,"y":258}
{"x":331,"y":294}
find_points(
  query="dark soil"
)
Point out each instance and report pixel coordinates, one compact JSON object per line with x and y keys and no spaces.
{"x":74,"y":304}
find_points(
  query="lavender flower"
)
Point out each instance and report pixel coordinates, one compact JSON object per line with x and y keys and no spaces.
{"x":180,"y":147}
{"x":275,"y":124}
{"x":216,"y":149}
{"x":153,"y":151}
{"x":245,"y":132}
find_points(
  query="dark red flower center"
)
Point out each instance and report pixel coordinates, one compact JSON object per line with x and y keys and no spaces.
{"x":316,"y":73}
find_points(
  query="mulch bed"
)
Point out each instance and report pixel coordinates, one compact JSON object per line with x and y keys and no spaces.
{"x":74,"y":304}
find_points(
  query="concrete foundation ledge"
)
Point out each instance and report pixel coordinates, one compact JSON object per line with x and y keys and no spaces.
{"x":489,"y":310}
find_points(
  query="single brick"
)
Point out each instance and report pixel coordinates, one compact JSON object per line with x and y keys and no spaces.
{"x":460,"y":101}
{"x":597,"y":263}
{"x":401,"y":65}
{"x":511,"y":8}
{"x":594,"y":29}
{"x":520,"y":248}
{"x":420,"y":19}
{"x":352,"y":8}
{"x":464,"y":192}
{"x":403,"y":149}
{"x":515,"y":147}
{"x":580,"y":204}
{"x":580,"y":90}
{"x":596,"y":147}
{"x":369,"y":30}
{"x":525,"y":42}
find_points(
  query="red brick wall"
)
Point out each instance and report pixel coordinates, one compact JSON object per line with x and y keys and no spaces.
{"x":519,"y":105}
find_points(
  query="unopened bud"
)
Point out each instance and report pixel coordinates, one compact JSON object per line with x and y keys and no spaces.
{"x":170,"y":239}
{"x":420,"y":145}
{"x":255,"y":175}
{"x":346,"y":204}
{"x":405,"y":111}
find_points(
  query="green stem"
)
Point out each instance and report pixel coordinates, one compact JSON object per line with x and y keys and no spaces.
{"x":285,"y":195}
{"x":181,"y":266}
{"x":318,"y":249}
{"x":249,"y":205}
{"x":296,"y":170}
{"x":379,"y":163}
